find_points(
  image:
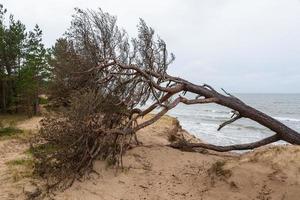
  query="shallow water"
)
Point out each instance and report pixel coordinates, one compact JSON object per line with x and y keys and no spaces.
{"x":203,"y":120}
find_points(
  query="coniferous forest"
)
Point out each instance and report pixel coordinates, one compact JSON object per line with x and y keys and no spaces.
{"x":24,"y":65}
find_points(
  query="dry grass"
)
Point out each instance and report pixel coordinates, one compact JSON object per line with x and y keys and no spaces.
{"x":9,"y":129}
{"x":12,"y":120}
{"x":218,"y":169}
{"x":21,"y":168}
{"x":217,"y":172}
{"x":7,"y":132}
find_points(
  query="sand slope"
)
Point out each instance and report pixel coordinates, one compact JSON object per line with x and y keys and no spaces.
{"x":154,"y":171}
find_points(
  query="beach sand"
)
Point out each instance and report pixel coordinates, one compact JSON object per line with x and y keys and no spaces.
{"x":154,"y":171}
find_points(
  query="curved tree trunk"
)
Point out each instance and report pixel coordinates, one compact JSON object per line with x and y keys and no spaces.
{"x":170,"y":86}
{"x":287,"y":134}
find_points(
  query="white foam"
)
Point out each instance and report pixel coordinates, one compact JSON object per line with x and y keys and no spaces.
{"x":287,"y":119}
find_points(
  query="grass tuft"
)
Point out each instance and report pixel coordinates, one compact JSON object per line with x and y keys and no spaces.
{"x":172,"y":138}
{"x":42,"y":149}
{"x":21,"y":168}
{"x":9,"y":131}
{"x":217,"y":172}
{"x":25,"y":162}
{"x":218,"y":169}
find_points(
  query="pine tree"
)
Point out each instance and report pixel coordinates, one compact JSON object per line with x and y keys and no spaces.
{"x":11,"y":53}
{"x":34,"y":72}
{"x":23,"y":65}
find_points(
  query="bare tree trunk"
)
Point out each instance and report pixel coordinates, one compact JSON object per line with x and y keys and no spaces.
{"x":287,"y":134}
{"x":3,"y":99}
{"x":206,"y":94}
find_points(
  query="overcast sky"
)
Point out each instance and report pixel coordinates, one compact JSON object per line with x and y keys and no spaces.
{"x":242,"y":46}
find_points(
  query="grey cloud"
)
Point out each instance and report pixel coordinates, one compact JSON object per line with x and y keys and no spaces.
{"x":244,"y":46}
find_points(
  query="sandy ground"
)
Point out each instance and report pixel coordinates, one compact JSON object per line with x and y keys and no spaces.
{"x":30,"y":124}
{"x":9,"y":150}
{"x":11,"y":185}
{"x":154,"y":171}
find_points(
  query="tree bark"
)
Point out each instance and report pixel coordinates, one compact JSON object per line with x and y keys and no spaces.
{"x":3,"y":99}
{"x":287,"y":134}
{"x":156,"y":83}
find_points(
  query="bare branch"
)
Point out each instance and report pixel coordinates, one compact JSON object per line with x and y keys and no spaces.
{"x":247,"y":146}
{"x":209,"y":87}
{"x":158,"y":115}
{"x":233,"y":119}
{"x":228,"y":93}
{"x":197,"y":101}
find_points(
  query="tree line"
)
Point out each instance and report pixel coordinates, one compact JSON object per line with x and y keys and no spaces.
{"x":24,"y":66}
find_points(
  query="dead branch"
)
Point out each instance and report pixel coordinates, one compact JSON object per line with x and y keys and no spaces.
{"x":248,"y":146}
{"x":198,"y":101}
{"x":233,"y":119}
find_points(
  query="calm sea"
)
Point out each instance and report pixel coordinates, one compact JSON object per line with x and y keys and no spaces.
{"x":203,"y":120}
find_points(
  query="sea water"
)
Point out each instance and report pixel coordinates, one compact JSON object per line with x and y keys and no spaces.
{"x":203,"y":120}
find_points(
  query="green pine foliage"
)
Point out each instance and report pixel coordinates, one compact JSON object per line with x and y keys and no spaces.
{"x":24,"y":68}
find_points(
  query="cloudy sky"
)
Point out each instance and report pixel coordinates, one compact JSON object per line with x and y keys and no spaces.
{"x":243,"y":46}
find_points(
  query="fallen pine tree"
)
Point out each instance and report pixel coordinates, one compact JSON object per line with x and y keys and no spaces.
{"x":102,"y":78}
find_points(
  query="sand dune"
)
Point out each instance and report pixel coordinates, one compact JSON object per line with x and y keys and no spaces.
{"x":154,"y":171}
